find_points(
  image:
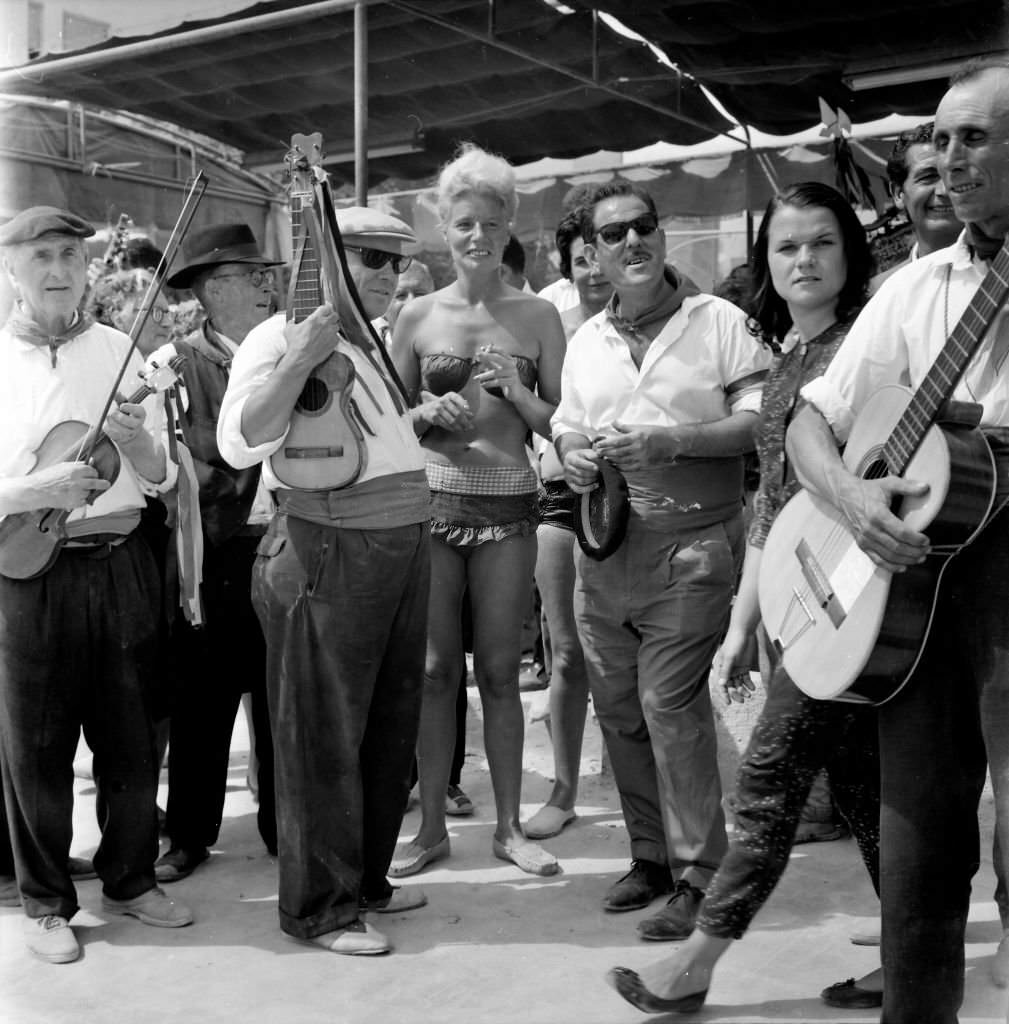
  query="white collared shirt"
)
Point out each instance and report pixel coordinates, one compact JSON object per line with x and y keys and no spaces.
{"x":393,"y":448}
{"x":903,"y":328}
{"x":35,"y":396}
{"x":695,"y":371}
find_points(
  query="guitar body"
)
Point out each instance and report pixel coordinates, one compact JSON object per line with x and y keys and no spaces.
{"x":845,"y":628}
{"x":324,"y":448}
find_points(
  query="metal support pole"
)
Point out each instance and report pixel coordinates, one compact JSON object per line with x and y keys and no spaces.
{"x":361,"y":103}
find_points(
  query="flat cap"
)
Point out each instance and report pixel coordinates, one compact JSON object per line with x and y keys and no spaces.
{"x":37,"y":221}
{"x":361,"y":225}
{"x":210,"y":247}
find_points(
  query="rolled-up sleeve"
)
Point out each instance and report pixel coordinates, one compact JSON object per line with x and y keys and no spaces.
{"x":255,"y":361}
{"x":745,"y":361}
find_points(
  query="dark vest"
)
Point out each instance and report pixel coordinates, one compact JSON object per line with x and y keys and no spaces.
{"x":226,"y":493}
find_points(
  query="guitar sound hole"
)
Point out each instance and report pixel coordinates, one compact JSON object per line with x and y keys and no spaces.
{"x":314,"y":396}
{"x":876,"y":470}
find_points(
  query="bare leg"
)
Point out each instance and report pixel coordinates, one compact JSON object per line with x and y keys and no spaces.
{"x":500,"y":578}
{"x":569,"y":685}
{"x":441,"y":684}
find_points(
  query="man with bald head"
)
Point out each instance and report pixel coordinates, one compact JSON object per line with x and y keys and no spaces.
{"x":952,"y":717}
{"x":79,"y":634}
{"x":340,"y":587}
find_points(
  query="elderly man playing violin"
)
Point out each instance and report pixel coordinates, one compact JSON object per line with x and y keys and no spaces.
{"x":78,"y":636}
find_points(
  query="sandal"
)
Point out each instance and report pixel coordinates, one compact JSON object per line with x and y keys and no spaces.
{"x":530,"y":857}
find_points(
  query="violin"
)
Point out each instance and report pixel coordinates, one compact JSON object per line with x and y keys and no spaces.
{"x":325,"y":447}
{"x":31,"y":541}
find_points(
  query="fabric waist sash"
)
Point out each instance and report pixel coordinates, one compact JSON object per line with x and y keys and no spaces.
{"x":690,"y":494}
{"x":399,"y":499}
{"x":118,"y":523}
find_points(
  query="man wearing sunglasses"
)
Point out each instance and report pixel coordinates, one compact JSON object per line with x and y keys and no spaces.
{"x":664,"y":384}
{"x":214,"y":664}
{"x":341,"y":587}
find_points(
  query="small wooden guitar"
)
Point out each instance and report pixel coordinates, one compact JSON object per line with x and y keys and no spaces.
{"x":324,"y":448}
{"x":31,"y":541}
{"x":845,"y":628}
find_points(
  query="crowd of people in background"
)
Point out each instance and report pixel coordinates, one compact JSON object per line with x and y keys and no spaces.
{"x":369,"y":489}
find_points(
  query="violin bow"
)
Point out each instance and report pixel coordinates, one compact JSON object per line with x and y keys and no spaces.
{"x":185,"y":218}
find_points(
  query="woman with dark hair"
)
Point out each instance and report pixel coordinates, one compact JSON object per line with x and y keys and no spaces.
{"x":811,"y":268}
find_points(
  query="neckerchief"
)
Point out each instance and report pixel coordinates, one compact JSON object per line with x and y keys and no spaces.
{"x":661,"y":311}
{"x":983,"y":245}
{"x":27,"y":329}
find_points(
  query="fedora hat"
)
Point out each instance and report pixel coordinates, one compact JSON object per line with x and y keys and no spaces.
{"x":210,"y":247}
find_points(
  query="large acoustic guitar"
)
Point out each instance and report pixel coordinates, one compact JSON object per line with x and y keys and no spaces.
{"x":324,"y":448}
{"x":844,"y":627}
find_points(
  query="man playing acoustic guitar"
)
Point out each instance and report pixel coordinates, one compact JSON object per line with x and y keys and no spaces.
{"x":79,"y":638}
{"x":939,"y":729}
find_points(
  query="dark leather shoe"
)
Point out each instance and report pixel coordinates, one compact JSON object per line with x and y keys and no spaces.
{"x":633,"y":989}
{"x":180,"y":862}
{"x":675,"y":921}
{"x":846,"y":995}
{"x":645,"y":882}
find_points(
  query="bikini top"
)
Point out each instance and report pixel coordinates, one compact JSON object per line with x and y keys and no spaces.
{"x":442,"y":372}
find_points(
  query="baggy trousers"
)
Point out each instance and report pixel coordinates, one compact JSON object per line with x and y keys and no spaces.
{"x":650,"y":618}
{"x":215,"y":664}
{"x":78,"y":648}
{"x":344,"y":613}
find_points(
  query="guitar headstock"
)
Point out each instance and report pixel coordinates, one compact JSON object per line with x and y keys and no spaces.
{"x":304,"y":164}
{"x":163,"y":368}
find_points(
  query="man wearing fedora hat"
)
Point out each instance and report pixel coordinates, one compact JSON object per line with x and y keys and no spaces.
{"x":79,"y":637}
{"x":226,"y":656}
{"x":341,"y":587}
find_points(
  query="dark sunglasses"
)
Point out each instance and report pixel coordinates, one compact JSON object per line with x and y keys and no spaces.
{"x":613,"y":234}
{"x":375,"y":259}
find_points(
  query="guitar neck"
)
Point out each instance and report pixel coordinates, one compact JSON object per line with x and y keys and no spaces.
{"x":307,"y":290}
{"x":949,"y":366}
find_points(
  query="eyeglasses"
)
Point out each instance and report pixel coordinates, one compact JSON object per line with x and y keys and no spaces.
{"x":257,"y":276}
{"x":375,"y":259}
{"x":160,"y":314}
{"x":613,"y":234}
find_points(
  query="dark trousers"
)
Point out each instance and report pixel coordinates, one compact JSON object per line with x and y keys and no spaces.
{"x":345,"y":618}
{"x":795,"y":736}
{"x":935,"y":736}
{"x":214,"y":664}
{"x":76,"y":647}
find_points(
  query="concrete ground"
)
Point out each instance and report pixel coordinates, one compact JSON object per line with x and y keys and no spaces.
{"x":493,"y":945}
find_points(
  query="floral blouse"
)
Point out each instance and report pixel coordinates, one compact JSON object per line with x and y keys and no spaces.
{"x":789,"y":372}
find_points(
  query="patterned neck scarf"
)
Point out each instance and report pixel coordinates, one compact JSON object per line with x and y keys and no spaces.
{"x":22,"y":326}
{"x":671,"y":300}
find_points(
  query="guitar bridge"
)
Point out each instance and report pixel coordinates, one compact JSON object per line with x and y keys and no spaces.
{"x":322,"y":452}
{"x":823,"y":592}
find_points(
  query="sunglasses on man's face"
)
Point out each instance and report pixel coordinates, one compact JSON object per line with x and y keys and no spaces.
{"x":375,"y":259}
{"x":615,"y":233}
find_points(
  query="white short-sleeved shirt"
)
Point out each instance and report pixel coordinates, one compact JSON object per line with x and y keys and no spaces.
{"x":902,"y":329}
{"x":703,"y":366}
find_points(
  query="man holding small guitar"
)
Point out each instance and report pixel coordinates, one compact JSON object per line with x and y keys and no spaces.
{"x":948,"y":714}
{"x":340,"y":584}
{"x":79,"y":633}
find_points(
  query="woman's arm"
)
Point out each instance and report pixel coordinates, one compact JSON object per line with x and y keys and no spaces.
{"x":499,"y":369}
